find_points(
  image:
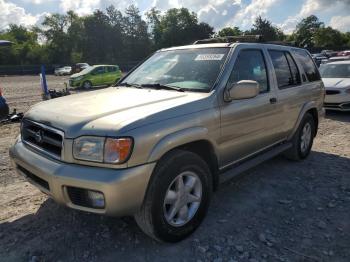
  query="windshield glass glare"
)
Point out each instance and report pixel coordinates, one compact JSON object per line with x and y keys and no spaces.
{"x":87,"y":70}
{"x":195,"y":69}
{"x":335,"y":70}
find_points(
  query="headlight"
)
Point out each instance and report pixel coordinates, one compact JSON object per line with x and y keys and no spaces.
{"x":102,"y":150}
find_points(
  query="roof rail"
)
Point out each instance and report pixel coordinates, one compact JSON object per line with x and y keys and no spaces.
{"x":241,"y":39}
{"x":231,"y":39}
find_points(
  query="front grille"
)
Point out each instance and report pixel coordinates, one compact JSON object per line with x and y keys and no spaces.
{"x":43,"y":138}
{"x":332,"y":92}
{"x":80,"y":197}
{"x":332,"y":105}
{"x":34,"y":178}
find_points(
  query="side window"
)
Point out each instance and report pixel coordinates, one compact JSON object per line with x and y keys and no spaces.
{"x":308,"y":65}
{"x":98,"y":70}
{"x":285,"y":68}
{"x":294,"y":69}
{"x":112,"y":69}
{"x":250,"y":65}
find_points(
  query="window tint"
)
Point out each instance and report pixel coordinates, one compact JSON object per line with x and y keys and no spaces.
{"x":100,"y":70}
{"x":285,"y":68}
{"x":250,"y":65}
{"x":294,"y":69}
{"x":308,"y":65}
{"x":111,"y":69}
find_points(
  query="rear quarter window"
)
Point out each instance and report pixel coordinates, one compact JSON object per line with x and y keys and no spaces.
{"x":308,"y":65}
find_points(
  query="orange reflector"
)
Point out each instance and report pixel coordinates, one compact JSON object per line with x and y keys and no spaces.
{"x":117,"y":150}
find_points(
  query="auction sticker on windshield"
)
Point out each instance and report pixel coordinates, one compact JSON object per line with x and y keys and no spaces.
{"x":206,"y":57}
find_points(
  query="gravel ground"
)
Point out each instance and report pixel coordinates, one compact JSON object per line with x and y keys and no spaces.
{"x":278,"y":211}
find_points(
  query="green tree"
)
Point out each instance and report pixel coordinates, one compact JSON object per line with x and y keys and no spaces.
{"x":178,"y":26}
{"x":265,"y":28}
{"x":329,"y":38}
{"x":137,"y":43}
{"x":305,"y":31}
{"x":230,"y":31}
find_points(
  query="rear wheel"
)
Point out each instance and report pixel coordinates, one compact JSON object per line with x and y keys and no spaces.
{"x":178,"y":197}
{"x":303,"y":139}
{"x":87,"y":85}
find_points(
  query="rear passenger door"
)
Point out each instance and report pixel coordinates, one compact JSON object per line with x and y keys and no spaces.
{"x":249,"y":125}
{"x":111,"y":74}
{"x":295,"y":87}
{"x":97,"y":75}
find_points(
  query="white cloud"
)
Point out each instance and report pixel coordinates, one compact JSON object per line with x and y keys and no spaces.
{"x":11,"y":13}
{"x":248,"y":13}
{"x":341,"y":23}
{"x":81,"y":7}
{"x":320,"y":6}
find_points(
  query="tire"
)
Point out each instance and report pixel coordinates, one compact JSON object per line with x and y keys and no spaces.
{"x":156,"y":218}
{"x":301,"y":148}
{"x":87,"y":85}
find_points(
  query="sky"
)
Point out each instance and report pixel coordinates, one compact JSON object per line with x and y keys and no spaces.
{"x":218,"y":13}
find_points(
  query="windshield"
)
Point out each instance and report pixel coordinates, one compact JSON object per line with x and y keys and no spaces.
{"x":335,"y":71}
{"x":191,"y":69}
{"x":87,"y":70}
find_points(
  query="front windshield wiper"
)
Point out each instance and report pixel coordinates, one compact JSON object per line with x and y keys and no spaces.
{"x":129,"y":85}
{"x":163,"y":86}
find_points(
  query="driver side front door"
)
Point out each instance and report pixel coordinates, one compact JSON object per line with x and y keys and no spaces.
{"x":249,"y":125}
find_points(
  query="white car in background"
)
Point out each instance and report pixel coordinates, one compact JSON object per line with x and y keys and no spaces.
{"x":336,"y":78}
{"x":61,"y":71}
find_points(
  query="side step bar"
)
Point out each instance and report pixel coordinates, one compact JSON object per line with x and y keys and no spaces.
{"x":239,"y":168}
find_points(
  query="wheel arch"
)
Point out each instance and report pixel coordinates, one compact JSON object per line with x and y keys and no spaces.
{"x":194,"y":140}
{"x":310,"y":107}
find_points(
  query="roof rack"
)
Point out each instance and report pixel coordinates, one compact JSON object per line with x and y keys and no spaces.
{"x":241,"y":39}
{"x":231,"y":39}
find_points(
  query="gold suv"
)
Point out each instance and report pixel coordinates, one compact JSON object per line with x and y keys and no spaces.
{"x":157,"y":144}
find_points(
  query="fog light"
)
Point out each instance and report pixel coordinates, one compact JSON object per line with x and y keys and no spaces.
{"x":97,"y":199}
{"x":86,"y":198}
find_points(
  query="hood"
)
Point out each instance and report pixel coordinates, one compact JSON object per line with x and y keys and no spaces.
{"x":336,"y":82}
{"x":114,"y":110}
{"x":78,"y":74}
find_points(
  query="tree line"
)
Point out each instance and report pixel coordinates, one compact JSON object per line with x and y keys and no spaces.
{"x":112,"y":36}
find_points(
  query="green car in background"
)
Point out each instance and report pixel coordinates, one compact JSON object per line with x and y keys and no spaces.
{"x":97,"y":75}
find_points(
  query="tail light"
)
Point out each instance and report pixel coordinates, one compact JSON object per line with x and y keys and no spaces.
{"x":0,"y":91}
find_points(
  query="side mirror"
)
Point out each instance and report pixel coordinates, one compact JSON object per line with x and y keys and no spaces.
{"x":243,"y":89}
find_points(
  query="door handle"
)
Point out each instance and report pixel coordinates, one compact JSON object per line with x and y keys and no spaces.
{"x":273,"y":100}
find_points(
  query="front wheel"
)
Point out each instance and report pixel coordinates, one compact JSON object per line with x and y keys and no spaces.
{"x":303,"y":139}
{"x":87,"y":85}
{"x":178,"y":197}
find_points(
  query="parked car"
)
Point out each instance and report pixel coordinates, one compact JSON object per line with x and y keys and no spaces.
{"x":157,"y":145}
{"x":80,"y":67}
{"x":319,"y":58}
{"x":338,"y":58}
{"x":344,"y":53}
{"x":336,"y":78}
{"x":4,"y":108}
{"x":329,"y":53}
{"x":61,"y":71}
{"x":98,"y":75}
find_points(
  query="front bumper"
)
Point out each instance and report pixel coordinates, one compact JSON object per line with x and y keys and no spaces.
{"x":339,"y":102}
{"x":75,"y":83}
{"x":123,"y":189}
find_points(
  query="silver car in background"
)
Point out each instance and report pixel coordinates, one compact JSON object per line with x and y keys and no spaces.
{"x":61,"y":71}
{"x":336,"y":78}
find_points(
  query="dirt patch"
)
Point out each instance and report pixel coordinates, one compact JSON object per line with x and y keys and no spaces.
{"x":279,"y":211}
